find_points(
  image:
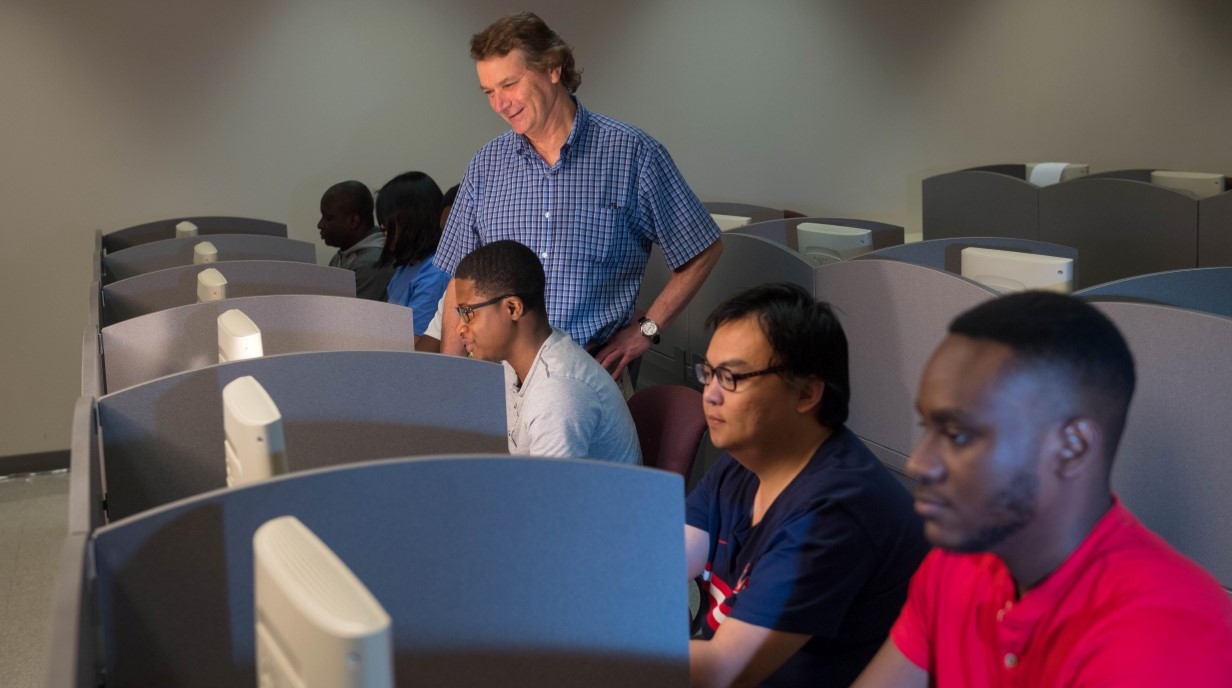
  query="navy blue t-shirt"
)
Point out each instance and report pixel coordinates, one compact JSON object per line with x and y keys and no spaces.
{"x":831,"y":558}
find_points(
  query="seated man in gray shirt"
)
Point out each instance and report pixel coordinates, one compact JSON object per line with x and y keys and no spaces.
{"x":558,"y":401}
{"x":346,"y":224}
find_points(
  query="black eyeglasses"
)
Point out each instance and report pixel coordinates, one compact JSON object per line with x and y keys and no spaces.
{"x":728,"y":379}
{"x":468,"y":312}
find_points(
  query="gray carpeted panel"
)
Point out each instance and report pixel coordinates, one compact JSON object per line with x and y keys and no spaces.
{"x":894,"y":315}
{"x":155,"y":291}
{"x":171,"y":253}
{"x":1121,"y":227}
{"x":85,"y":492}
{"x":980,"y":203}
{"x":1201,"y":289}
{"x":496,"y":571}
{"x":1173,"y":468}
{"x":784,"y":231}
{"x":159,"y":230}
{"x":946,"y":254}
{"x":186,"y":338}
{"x":72,"y":650}
{"x":163,"y":440}
{"x":1215,"y":230}
{"x":755,"y":213}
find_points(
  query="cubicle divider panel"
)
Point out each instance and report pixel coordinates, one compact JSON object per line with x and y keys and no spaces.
{"x":155,"y":291}
{"x":1137,"y":175}
{"x":946,"y":254}
{"x":747,"y":261}
{"x":894,"y":315}
{"x":895,"y":461}
{"x":510,"y":571}
{"x":1173,"y":468}
{"x":1200,"y":289}
{"x":1121,"y":227}
{"x":1215,"y":230}
{"x":85,"y":478}
{"x":186,"y":338}
{"x":755,"y":213}
{"x":159,"y":230}
{"x":980,"y":203}
{"x":171,"y":253}
{"x":163,"y":440}
{"x":784,"y":231}
{"x":74,"y":659}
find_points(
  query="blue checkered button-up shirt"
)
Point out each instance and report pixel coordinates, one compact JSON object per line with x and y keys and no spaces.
{"x":591,"y":218}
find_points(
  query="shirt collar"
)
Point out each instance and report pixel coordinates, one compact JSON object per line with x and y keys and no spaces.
{"x":522,"y":145}
{"x":374,"y":238}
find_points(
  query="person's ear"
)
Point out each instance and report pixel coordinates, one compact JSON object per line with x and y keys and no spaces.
{"x":1078,"y":445}
{"x":810,"y":391}
{"x":514,"y":307}
{"x":554,"y":74}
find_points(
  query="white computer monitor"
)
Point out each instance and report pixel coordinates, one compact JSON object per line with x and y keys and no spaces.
{"x":239,"y":337}
{"x":316,"y":622}
{"x":211,"y":285}
{"x":1009,"y":271}
{"x":185,"y":229}
{"x":204,"y":253}
{"x":822,"y":243}
{"x":1196,"y":184}
{"x":1046,"y":173}
{"x":727,"y":223}
{"x":253,"y":442}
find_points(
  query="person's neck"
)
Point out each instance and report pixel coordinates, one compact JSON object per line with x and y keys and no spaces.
{"x":356,"y":239}
{"x":777,"y":466}
{"x":527,"y":342}
{"x":1034,"y":554}
{"x":547,"y":143}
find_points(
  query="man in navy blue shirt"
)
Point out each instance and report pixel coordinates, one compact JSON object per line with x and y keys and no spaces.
{"x":806,"y":543}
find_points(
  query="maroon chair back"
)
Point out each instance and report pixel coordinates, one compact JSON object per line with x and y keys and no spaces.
{"x":670,"y":423}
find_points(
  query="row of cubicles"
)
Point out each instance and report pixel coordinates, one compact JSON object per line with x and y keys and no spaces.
{"x":1121,"y":223}
{"x":157,"y":589}
{"x":155,"y":584}
{"x":895,"y":304}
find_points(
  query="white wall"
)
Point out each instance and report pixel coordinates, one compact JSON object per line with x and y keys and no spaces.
{"x":118,"y":113}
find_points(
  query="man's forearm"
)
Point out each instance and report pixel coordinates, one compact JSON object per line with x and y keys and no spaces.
{"x":451,"y":343}
{"x":683,"y":285}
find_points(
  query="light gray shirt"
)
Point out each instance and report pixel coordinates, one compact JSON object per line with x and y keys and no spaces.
{"x":568,"y":406}
{"x":370,"y":280}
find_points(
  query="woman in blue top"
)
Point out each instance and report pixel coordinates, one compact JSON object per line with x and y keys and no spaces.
{"x":408,"y":209}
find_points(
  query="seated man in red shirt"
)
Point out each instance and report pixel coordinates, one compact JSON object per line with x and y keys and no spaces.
{"x":1040,"y":576}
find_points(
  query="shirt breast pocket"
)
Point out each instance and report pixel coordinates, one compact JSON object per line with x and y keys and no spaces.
{"x":595,"y":233}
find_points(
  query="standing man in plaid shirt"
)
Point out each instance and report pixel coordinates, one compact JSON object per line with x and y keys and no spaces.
{"x":588,"y":194}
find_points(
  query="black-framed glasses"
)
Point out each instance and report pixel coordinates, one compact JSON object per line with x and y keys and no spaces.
{"x":728,"y":379}
{"x":467,"y":312}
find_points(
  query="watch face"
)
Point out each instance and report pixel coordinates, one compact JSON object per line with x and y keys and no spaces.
{"x":650,"y":328}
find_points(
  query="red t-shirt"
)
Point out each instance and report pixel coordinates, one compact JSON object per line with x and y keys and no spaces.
{"x":1124,"y":610}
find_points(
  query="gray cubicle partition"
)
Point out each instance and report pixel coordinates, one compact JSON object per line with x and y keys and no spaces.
{"x":1201,"y":289}
{"x":894,"y":315}
{"x":85,"y":486}
{"x":994,"y":201}
{"x":1173,"y":468}
{"x":128,"y":237}
{"x":946,"y":254}
{"x":755,"y":213}
{"x":91,"y":344}
{"x":171,"y":253}
{"x":784,"y":231}
{"x":155,"y":291}
{"x":163,"y":440}
{"x":1121,"y":227}
{"x":496,"y":571}
{"x":185,"y":338}
{"x":1215,"y":229}
{"x":73,"y":660}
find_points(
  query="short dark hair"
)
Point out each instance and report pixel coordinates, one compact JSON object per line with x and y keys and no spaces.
{"x":544,"y":48}
{"x":804,"y":334}
{"x":450,"y":195}
{"x":409,"y":208}
{"x":505,"y":267}
{"x":1065,"y":335}
{"x":355,"y":198}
